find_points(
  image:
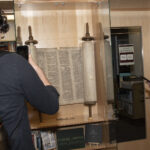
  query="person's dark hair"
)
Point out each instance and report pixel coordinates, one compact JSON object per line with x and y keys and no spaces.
{"x":4,"y":26}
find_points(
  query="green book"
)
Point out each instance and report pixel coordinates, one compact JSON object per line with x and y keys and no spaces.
{"x":70,"y":139}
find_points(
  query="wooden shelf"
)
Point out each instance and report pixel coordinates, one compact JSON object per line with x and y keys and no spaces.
{"x":50,"y":1}
{"x":77,"y":120}
{"x":68,"y":115}
{"x":55,"y":5}
{"x":98,"y":147}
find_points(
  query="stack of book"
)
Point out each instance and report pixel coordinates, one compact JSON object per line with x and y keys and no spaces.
{"x":44,"y":140}
{"x":68,"y":139}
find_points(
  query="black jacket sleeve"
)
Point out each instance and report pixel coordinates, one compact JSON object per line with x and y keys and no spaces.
{"x":44,"y":98}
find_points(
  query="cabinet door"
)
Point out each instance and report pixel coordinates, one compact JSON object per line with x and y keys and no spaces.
{"x":129,"y":84}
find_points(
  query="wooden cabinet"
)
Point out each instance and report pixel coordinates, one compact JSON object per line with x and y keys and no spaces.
{"x":57,"y":24}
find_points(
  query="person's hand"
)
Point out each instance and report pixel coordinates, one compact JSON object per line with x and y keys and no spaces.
{"x":38,"y":71}
{"x":32,"y":62}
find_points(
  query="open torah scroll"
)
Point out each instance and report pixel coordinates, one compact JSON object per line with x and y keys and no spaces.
{"x":64,"y":69}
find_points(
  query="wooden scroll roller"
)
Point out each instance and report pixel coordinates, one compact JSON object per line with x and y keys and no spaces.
{"x":32,"y":50}
{"x":31,"y":42}
{"x":19,"y":40}
{"x":90,"y":94}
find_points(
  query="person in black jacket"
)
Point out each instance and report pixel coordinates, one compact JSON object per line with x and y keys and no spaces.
{"x":23,"y":80}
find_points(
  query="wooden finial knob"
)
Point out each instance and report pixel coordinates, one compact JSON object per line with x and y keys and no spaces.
{"x":87,"y":36}
{"x":31,"y":39}
{"x":19,"y":40}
